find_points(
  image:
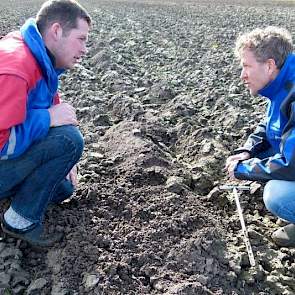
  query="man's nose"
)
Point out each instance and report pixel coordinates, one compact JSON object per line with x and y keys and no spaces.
{"x":243,"y":74}
{"x":84,"y":49}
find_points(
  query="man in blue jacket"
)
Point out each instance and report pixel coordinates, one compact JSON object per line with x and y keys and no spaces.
{"x":268,"y":69}
{"x":40,"y":143}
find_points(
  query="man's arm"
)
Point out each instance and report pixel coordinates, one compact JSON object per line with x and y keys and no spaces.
{"x":256,"y":142}
{"x":20,"y":127}
{"x":12,"y":104}
{"x":280,"y":166}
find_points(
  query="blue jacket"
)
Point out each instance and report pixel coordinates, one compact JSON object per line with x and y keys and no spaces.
{"x":276,"y":133}
{"x":28,"y":83}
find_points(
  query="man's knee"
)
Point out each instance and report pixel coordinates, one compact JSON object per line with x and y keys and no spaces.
{"x":271,"y":195}
{"x":72,"y":138}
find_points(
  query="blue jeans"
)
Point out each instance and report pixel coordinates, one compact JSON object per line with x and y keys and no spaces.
{"x":37,"y":177}
{"x":279,"y":195}
{"x":279,"y":198}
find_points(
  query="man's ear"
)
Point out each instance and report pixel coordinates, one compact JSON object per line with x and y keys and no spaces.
{"x":56,"y":31}
{"x":272,"y":67}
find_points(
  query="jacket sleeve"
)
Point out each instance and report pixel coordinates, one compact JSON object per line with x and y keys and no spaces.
{"x":280,"y":166}
{"x":256,"y":142}
{"x":19,"y":127}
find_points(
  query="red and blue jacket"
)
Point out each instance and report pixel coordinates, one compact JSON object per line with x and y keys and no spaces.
{"x":276,"y":133}
{"x":28,"y":83}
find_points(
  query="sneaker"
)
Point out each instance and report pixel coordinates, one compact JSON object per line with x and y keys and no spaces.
{"x":34,"y":235}
{"x":285,"y":236}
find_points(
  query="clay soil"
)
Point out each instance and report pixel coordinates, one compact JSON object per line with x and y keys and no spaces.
{"x":160,"y":106}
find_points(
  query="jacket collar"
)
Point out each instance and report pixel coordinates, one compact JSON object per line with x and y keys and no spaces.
{"x":286,"y":72}
{"x":45,"y":59}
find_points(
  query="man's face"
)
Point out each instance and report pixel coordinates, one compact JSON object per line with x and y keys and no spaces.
{"x":72,"y":46}
{"x":255,"y":75}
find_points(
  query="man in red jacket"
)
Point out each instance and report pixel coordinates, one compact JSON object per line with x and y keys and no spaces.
{"x":40,"y":143}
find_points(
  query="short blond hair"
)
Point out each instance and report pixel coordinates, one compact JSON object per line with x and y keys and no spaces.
{"x":270,"y":42}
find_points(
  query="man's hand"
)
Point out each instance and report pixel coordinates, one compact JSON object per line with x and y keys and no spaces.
{"x":62,"y":114}
{"x":72,"y":176}
{"x":232,"y":161}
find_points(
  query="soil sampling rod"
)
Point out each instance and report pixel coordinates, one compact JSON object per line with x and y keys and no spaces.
{"x":235,"y":189}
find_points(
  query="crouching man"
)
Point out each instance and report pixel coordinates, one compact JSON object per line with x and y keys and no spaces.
{"x":268,"y":69}
{"x":40,"y":143}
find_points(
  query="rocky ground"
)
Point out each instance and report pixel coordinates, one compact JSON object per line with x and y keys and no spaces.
{"x":161,"y":106}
